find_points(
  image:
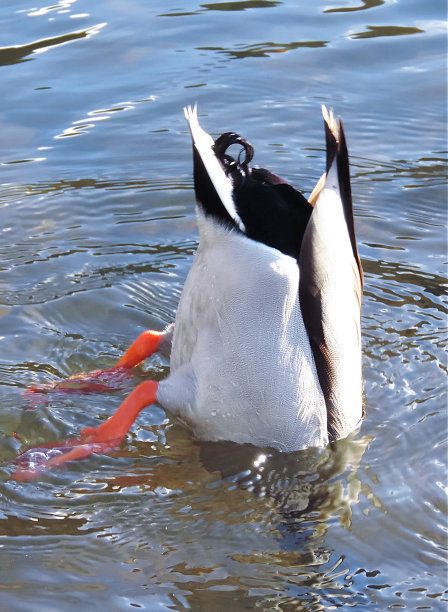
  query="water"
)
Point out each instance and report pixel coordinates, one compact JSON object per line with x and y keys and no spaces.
{"x":97,"y":235}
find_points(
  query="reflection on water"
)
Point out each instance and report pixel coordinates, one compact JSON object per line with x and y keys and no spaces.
{"x":375,"y":31}
{"x":287,"y":504}
{"x":97,"y":236}
{"x":20,"y":53}
{"x":425,"y":171}
{"x":239,"y":6}
{"x":263,"y":49}
{"x":366,"y":4}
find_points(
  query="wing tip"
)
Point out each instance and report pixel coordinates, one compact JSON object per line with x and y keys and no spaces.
{"x":191,"y":112}
{"x":337,"y":150}
{"x":333,"y":133}
{"x":331,"y":123}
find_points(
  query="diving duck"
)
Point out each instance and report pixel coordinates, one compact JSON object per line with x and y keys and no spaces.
{"x":266,"y":345}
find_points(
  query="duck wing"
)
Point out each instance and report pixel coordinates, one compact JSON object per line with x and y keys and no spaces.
{"x":330,"y":288}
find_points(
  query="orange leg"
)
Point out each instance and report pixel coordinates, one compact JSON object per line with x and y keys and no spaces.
{"x":142,"y":348}
{"x":100,"y":439}
{"x":106,"y":380}
{"x":118,"y":425}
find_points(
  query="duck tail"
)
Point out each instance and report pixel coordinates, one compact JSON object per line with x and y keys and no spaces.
{"x":330,"y":287}
{"x":336,"y":146}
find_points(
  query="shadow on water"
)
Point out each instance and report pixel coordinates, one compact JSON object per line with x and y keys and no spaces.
{"x":303,"y":485}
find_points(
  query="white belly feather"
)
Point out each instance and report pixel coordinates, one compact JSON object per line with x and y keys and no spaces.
{"x":241,"y":365}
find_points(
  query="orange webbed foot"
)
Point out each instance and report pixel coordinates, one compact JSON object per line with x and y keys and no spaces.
{"x":99,"y":440}
{"x":109,"y":434}
{"x":118,"y":425}
{"x":96,"y":381}
{"x":102,"y":381}
{"x":37,"y":460}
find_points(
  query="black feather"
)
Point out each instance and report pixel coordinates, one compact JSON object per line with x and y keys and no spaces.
{"x":273,"y":212}
{"x":206,"y":194}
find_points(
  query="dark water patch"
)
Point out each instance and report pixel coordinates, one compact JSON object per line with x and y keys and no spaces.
{"x":424,"y":172}
{"x":264,"y":49}
{"x":13,"y":193}
{"x":240,"y":6}
{"x":366,"y":4}
{"x":20,"y":53}
{"x":379,"y":31}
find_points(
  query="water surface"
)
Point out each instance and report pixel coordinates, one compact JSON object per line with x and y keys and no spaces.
{"x":97,"y":236}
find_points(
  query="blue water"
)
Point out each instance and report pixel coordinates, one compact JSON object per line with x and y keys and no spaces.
{"x":97,"y":235}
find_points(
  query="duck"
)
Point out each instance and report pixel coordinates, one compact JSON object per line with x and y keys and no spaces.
{"x":265,"y":348}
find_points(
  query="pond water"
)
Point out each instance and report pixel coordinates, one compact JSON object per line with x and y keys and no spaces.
{"x":97,"y":235}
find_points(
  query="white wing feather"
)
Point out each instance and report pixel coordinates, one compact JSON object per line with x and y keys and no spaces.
{"x":204,"y":146}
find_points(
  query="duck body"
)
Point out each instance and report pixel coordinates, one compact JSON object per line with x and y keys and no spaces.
{"x":241,"y":366}
{"x":266,"y":346}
